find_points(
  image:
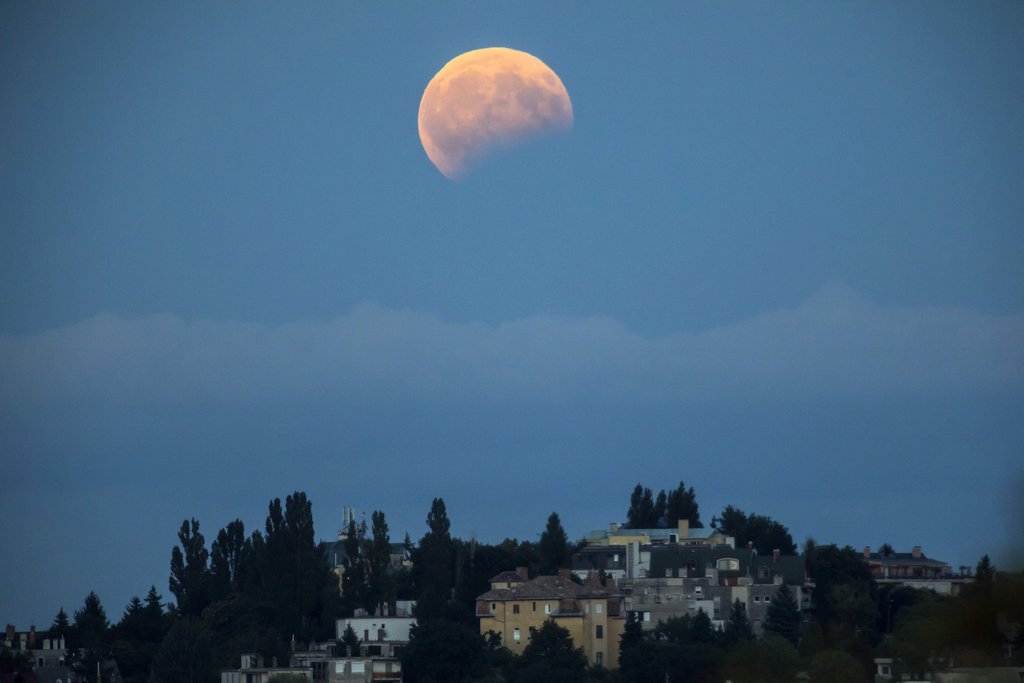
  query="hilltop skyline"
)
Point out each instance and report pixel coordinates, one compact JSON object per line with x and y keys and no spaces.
{"x":778,"y":256}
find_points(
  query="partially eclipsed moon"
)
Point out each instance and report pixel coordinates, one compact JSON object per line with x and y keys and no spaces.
{"x":488,"y":99}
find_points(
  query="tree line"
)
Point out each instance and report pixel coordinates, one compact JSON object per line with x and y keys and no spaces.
{"x":272,"y":590}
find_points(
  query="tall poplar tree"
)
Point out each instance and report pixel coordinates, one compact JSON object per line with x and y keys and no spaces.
{"x":380,"y":591}
{"x":435,"y":557}
{"x":189,"y":572}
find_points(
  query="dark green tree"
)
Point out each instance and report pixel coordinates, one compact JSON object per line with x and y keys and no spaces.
{"x":846,"y":603}
{"x":17,"y":663}
{"x":641,"y":509}
{"x":136,"y":638}
{"x":443,"y":651}
{"x":434,"y":564}
{"x":154,"y":622}
{"x":660,"y":509}
{"x":686,"y":649}
{"x":682,"y":504}
{"x":350,"y":642}
{"x":769,"y":660}
{"x":553,"y":546}
{"x":737,"y":627}
{"x":763,"y":532}
{"x":129,"y":646}
{"x":836,"y":666}
{"x":61,"y":626}
{"x":783,"y":616}
{"x":297,"y":581}
{"x":631,"y":648}
{"x":353,"y":580}
{"x":230,"y":554}
{"x":189,"y":580}
{"x":984,"y":576}
{"x":91,"y":635}
{"x":379,"y":585}
{"x":185,"y":656}
{"x":550,"y":656}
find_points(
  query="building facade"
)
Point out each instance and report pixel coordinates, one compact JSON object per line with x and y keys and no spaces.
{"x":593,"y":612}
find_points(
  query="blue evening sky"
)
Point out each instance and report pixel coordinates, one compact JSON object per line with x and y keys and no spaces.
{"x":780,"y":256}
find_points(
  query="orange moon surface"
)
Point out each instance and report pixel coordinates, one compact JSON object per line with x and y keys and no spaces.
{"x":486,"y":100}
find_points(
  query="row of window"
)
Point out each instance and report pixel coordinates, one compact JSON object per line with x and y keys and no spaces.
{"x":517,"y":635}
{"x":515,"y":607}
{"x":598,"y":607}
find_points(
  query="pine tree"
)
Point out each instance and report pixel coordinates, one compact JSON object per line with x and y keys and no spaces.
{"x":155,"y":626}
{"x":553,"y":546}
{"x":61,"y":627}
{"x":91,"y":635}
{"x":783,"y":616}
{"x":737,"y":628}
{"x":350,"y":642}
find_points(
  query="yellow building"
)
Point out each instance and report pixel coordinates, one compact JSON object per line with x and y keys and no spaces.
{"x":592,"y":613}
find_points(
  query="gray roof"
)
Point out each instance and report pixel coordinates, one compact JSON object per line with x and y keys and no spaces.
{"x":789,"y":567}
{"x":904,"y":558}
{"x":550,"y":588}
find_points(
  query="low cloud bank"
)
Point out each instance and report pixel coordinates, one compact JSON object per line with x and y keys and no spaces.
{"x":834,"y":343}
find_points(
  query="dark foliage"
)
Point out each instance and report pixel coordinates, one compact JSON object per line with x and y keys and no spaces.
{"x":763,"y":532}
{"x":550,"y":657}
{"x":553,"y":546}
{"x":783,"y":616}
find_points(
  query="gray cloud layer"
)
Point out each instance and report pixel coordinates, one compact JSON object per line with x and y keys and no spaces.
{"x":832,"y":344}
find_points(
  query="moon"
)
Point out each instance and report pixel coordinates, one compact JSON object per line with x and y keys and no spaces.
{"x":489,"y":99}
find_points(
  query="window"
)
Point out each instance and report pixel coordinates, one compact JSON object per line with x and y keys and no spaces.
{"x":534,"y":607}
{"x":547,"y":608}
{"x":699,"y":590}
{"x":515,"y":635}
{"x":762,"y":572}
{"x":728,"y":564}
{"x":358,"y":667}
{"x":767,"y":598}
{"x":599,"y":608}
{"x":494,"y":606}
{"x":366,"y":634}
{"x":647,"y":616}
{"x":757,"y":598}
{"x":599,"y":658}
{"x":599,"y":633}
{"x":515,"y":608}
